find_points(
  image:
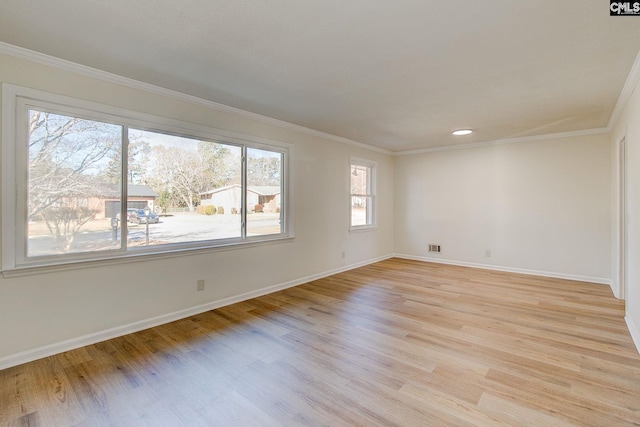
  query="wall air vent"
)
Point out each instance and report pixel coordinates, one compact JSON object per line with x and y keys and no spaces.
{"x":434,"y":248}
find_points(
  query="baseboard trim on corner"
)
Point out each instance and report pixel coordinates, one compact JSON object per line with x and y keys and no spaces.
{"x":74,"y":343}
{"x":598,"y":280}
{"x":633,"y":331}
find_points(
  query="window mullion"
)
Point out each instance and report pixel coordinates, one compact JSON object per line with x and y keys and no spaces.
{"x":243,"y":189}
{"x":124,"y":189}
{"x":283,"y":194}
{"x":21,"y":181}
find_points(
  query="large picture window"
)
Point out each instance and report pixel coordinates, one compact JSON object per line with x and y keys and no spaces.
{"x":363,"y":193}
{"x":83,"y":183}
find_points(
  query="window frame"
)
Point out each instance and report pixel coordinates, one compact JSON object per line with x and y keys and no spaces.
{"x":371,"y":212}
{"x":17,"y":100}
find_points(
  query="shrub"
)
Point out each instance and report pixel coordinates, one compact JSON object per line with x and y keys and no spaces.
{"x":234,"y":211}
{"x":220,"y":210}
{"x":206,"y":210}
{"x":258,"y":208}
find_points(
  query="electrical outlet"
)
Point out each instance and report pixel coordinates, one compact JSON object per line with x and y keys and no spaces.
{"x":487,"y":253}
{"x":343,"y":254}
{"x":200,"y":285}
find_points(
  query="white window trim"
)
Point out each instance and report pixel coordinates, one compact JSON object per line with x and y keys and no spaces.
{"x":357,"y":161}
{"x":14,"y":186}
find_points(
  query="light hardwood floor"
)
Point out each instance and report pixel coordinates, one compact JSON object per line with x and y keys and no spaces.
{"x":397,"y":343}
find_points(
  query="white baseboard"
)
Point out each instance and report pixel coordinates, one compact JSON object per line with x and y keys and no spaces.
{"x":615,"y":288}
{"x":598,"y":280}
{"x":71,"y":344}
{"x":635,"y":334}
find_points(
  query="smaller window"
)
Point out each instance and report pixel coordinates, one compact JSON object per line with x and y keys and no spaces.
{"x":363,"y":193}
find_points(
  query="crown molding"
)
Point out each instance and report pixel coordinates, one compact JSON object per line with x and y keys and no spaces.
{"x":625,"y":94}
{"x":63,"y":64}
{"x":535,"y":138}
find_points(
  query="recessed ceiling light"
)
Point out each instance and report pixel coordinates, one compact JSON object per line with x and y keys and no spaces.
{"x":461,"y":132}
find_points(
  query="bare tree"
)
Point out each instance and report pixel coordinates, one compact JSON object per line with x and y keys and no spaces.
{"x":180,"y":174}
{"x":67,"y":160}
{"x":264,"y":171}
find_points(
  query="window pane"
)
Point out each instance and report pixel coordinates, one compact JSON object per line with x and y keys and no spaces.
{"x":360,"y":181}
{"x":73,"y":173}
{"x":359,"y":212}
{"x":190,"y":187}
{"x":264,"y":192}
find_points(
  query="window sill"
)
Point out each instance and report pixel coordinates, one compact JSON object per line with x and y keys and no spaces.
{"x":29,"y":270}
{"x":362,"y":228}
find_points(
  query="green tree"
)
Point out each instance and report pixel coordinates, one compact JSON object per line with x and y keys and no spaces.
{"x":222,"y":165}
{"x":137,"y":160}
{"x":264,"y":171}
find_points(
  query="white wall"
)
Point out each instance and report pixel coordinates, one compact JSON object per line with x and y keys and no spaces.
{"x":628,"y":126}
{"x":538,"y":207}
{"x":42,"y":310}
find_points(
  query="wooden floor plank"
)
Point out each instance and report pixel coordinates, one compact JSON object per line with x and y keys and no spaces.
{"x":395,"y":343}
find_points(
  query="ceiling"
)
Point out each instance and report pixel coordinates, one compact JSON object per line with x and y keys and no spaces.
{"x":399,"y":75}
